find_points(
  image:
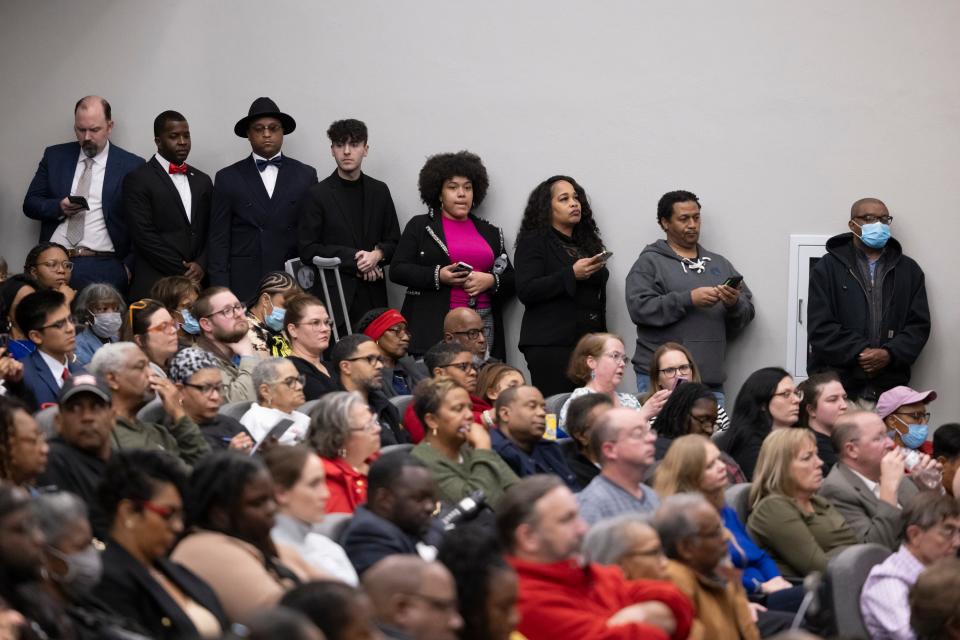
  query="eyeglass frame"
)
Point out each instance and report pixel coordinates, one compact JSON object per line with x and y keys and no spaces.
{"x":789,"y":392}
{"x":260,"y":129}
{"x":924,"y":415}
{"x":316,"y":324}
{"x":60,"y":325}
{"x":66,"y":265}
{"x":236,"y":309}
{"x":673,"y":372}
{"x":372,"y":359}
{"x":463,"y":366}
{"x":167,"y":513}
{"x":291,"y":380}
{"x":472,"y":334}
{"x":205,"y":389}
{"x":871,"y":219}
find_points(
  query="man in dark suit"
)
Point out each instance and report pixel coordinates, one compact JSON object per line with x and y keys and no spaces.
{"x":253,"y":221}
{"x":351,"y":216}
{"x":168,"y":209}
{"x":45,"y":318}
{"x":401,"y":497}
{"x":95,"y":233}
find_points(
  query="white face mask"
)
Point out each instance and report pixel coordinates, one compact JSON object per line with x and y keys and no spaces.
{"x":107,"y":325}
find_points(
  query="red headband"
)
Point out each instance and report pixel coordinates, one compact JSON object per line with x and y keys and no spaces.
{"x":383,"y":322}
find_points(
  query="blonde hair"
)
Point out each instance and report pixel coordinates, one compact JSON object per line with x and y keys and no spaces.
{"x":682,"y":468}
{"x":772,"y":474}
{"x":590,"y":345}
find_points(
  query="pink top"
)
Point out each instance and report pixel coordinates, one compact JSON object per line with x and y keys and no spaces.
{"x":467,"y":245}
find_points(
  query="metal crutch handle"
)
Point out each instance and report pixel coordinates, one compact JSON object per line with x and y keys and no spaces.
{"x":323,"y":264}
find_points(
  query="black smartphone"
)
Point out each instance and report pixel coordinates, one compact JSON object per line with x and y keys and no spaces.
{"x":605,"y":255}
{"x":79,"y":200}
{"x":733,"y":281}
{"x":462,"y":267}
{"x":679,"y":382}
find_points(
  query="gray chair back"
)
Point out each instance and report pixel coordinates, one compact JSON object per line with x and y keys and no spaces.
{"x":555,"y":402}
{"x":152,"y":412}
{"x":401,"y":403}
{"x":236,"y":409}
{"x":846,"y":573}
{"x":738,"y":498}
{"x":44,"y":419}
{"x":308,"y":406}
{"x":334,"y":525}
{"x":390,"y":448}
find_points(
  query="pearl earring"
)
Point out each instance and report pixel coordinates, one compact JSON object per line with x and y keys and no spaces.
{"x":434,"y":432}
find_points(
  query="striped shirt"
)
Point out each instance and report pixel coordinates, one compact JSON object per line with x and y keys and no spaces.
{"x":883,"y":601}
{"x":603,"y":499}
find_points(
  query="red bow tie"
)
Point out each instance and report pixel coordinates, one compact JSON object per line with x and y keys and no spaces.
{"x":181,"y":169}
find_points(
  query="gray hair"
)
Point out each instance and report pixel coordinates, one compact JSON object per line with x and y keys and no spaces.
{"x":97,"y":293}
{"x":57,"y":514}
{"x":111,"y":358}
{"x":330,"y":422}
{"x":609,"y":540}
{"x":926,"y":510}
{"x":675,"y":522}
{"x":266,"y":372}
{"x":847,"y":429}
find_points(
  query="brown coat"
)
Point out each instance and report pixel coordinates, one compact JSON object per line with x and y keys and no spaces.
{"x":722,"y":608}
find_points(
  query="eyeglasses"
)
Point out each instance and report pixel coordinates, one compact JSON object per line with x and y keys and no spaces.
{"x":703,"y":420}
{"x":164,"y":327}
{"x":292,"y":381}
{"x":166,"y":512}
{"x":370,"y":427}
{"x":399,"y":330}
{"x":919,"y":416}
{"x":650,"y":553}
{"x":472,"y":334}
{"x":206,"y":389}
{"x":65,"y":265}
{"x":463,"y":366}
{"x":316,"y":324}
{"x":261,"y":129}
{"x":60,"y":324}
{"x":797,"y":393}
{"x":948,"y":531}
{"x":372,"y":359}
{"x":868,"y":219}
{"x":618,"y":357}
{"x":231,"y":311}
{"x":671,"y":372}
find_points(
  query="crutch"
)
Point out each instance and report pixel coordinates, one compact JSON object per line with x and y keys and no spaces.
{"x":333,"y":264}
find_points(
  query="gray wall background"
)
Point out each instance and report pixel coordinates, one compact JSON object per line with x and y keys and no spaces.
{"x":777,"y":114}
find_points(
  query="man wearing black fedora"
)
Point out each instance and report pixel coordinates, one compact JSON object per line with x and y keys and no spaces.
{"x":253,"y":221}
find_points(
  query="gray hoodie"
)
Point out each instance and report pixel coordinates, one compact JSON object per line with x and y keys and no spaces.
{"x":658,"y":299}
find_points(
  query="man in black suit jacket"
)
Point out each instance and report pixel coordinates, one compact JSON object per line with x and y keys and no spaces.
{"x":351,"y":216}
{"x":253,"y":221}
{"x":168,"y":209}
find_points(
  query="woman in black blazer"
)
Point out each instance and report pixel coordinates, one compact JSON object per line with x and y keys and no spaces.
{"x":451,"y":185}
{"x":561,"y":280}
{"x":141,"y":493}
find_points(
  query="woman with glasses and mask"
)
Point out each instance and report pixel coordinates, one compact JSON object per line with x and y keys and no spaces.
{"x":151,"y":327}
{"x":597,"y":364}
{"x":177,"y":294}
{"x":346,"y":436}
{"x":48,"y":264}
{"x":388,"y":328}
{"x":198,"y":378}
{"x":768,"y":400}
{"x":309,"y":326}
{"x":279,"y":389}
{"x":671,"y":365}
{"x":266,"y":311}
{"x":99,"y":308}
{"x":141,"y":493}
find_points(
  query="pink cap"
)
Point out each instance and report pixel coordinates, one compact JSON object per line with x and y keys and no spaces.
{"x":895,"y":398}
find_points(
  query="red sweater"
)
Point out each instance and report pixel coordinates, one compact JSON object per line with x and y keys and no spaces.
{"x":564,"y":600}
{"x":413,"y":425}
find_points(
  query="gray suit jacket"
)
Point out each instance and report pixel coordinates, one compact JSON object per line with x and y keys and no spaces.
{"x":871,"y":519}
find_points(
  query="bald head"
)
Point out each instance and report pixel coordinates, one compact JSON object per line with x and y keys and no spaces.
{"x":610,"y":425}
{"x":464,"y":325}
{"x":865,"y":206}
{"x":394,"y":574}
{"x":414,"y":595}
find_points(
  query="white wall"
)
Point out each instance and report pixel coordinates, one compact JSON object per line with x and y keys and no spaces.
{"x":777,"y":114}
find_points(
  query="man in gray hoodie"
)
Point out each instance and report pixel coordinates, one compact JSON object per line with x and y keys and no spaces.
{"x":677,"y":291}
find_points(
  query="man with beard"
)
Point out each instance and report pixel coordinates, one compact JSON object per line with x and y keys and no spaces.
{"x":168,"y":226}
{"x":224,"y":332}
{"x":358,"y":363}
{"x":125,"y":369}
{"x":94,"y":229}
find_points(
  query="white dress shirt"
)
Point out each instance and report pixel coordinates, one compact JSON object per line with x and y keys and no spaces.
{"x":259,"y":420}
{"x":56,"y":368}
{"x":95,"y":234}
{"x":269,"y":174}
{"x":179,"y":181}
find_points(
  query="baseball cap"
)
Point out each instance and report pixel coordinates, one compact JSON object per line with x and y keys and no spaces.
{"x":83,"y":383}
{"x":891,"y":400}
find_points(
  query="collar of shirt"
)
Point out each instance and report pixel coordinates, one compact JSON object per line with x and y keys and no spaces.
{"x":873,"y":486}
{"x":166,"y":164}
{"x":100,"y":158}
{"x":56,"y":368}
{"x":259,"y":157}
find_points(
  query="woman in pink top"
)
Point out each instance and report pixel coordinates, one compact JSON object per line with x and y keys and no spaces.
{"x":427,"y":260}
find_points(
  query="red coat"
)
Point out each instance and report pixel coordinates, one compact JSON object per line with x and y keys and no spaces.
{"x":413,"y":425}
{"x":348,"y":487}
{"x":564,"y":600}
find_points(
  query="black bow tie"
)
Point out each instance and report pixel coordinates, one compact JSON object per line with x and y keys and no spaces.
{"x":263,"y":164}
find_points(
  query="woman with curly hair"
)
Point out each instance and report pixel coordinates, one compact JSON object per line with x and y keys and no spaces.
{"x":449,"y":258}
{"x":561,"y":279}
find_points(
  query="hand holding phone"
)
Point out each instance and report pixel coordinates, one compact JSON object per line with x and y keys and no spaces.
{"x":80,"y":201}
{"x":733,"y":282}
{"x":604,"y":255}
{"x":462,"y":267}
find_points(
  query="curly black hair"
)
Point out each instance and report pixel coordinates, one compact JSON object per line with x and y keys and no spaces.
{"x":673,"y":420}
{"x":539,"y":215}
{"x":342,"y":131}
{"x":135,"y":474}
{"x":443,"y":166}
{"x":667,"y":200}
{"x":9,"y":405}
{"x":473,"y":554}
{"x":218,"y":481}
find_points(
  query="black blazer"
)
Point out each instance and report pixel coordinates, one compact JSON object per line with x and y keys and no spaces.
{"x":129,"y":589}
{"x":369,"y":538}
{"x":326,"y":230}
{"x":163,"y":238}
{"x":250,"y":233}
{"x":421,"y":254}
{"x":546,"y":286}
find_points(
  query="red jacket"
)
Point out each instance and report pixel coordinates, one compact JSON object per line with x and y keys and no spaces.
{"x":347,"y":486}
{"x":563,"y":601}
{"x":413,"y":425}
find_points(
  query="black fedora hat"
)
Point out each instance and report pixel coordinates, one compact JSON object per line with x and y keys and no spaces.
{"x":264,"y":108}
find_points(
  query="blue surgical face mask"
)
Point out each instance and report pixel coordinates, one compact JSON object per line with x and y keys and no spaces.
{"x":915,"y":436}
{"x":875,"y":234}
{"x":190,"y":324}
{"x":274,"y":321}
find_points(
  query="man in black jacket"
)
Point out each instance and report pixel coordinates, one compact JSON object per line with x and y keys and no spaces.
{"x":867,"y":315}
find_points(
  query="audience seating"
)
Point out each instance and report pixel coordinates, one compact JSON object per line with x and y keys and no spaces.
{"x":44,"y":419}
{"x":334,"y":525}
{"x":846,"y":574}
{"x":401,"y":403}
{"x":308,"y":406}
{"x":236,"y":409}
{"x":390,"y":448}
{"x":555,"y":402}
{"x":738,"y":498}
{"x":152,"y":412}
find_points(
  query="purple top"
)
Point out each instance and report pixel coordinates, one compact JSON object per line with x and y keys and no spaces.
{"x":883,"y":600}
{"x":467,"y":245}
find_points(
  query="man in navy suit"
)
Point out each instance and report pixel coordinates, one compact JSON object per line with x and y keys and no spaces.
{"x":94,"y":233}
{"x":45,"y":318}
{"x":253,"y":222}
{"x":168,"y":209}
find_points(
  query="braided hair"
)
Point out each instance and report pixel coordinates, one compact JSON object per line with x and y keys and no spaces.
{"x":673,"y":420}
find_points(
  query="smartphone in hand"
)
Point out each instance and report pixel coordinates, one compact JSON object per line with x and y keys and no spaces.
{"x":80,"y":201}
{"x":733,"y":281}
{"x":462,"y":267}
